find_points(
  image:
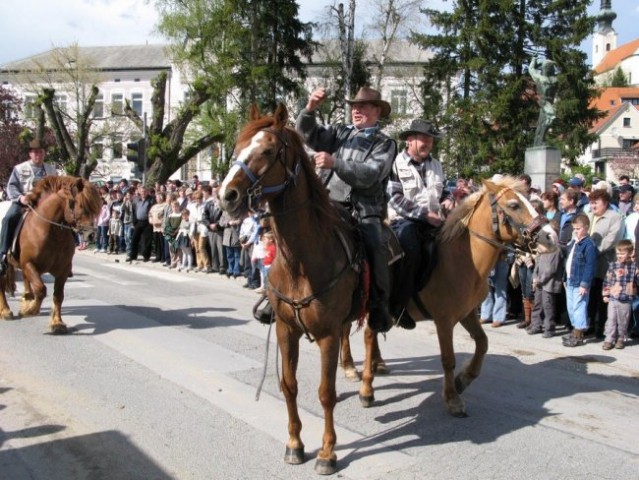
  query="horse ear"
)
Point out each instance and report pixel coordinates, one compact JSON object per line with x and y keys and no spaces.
{"x":281,"y":115}
{"x":254,"y":114}
{"x":79,"y":185}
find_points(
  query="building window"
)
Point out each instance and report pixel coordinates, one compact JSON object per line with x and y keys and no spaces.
{"x":97,"y":150}
{"x":627,"y":144}
{"x":60,"y":101}
{"x":607,"y":47}
{"x":136,"y":103}
{"x":118,"y":150}
{"x":29,"y":107}
{"x":98,"y":106}
{"x":399,"y":101}
{"x":626,"y":122}
{"x":117,"y":103}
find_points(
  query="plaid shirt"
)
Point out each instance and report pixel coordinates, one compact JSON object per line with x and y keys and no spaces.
{"x":621,"y":282}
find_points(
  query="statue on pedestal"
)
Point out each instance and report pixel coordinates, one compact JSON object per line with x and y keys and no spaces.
{"x":544,"y":73}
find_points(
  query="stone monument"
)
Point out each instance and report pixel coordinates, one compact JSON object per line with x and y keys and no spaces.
{"x":542,"y":162}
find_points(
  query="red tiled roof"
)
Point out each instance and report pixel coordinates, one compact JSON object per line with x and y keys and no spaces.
{"x":615,"y":57}
{"x":610,"y":102}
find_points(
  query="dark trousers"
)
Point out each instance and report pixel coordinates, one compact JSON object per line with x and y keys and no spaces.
{"x":9,"y":225}
{"x":371,"y":228}
{"x":411,"y":237}
{"x":597,"y":309}
{"x":218,"y":256}
{"x":141,"y":239}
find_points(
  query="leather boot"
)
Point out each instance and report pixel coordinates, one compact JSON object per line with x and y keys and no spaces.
{"x":263,"y":315}
{"x":576,"y":339}
{"x":379,"y":320}
{"x":527,"y":304}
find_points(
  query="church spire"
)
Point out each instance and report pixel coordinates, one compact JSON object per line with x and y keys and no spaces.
{"x":604,"y":38}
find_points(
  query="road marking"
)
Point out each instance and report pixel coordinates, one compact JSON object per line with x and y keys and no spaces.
{"x":193,"y":363}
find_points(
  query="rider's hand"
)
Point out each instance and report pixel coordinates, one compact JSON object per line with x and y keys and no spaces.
{"x":434,"y":218}
{"x":22,"y":199}
{"x":324,"y":160}
{"x":316,"y":99}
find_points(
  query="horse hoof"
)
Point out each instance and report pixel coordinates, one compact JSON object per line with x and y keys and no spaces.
{"x":352,"y":374}
{"x":294,"y":456}
{"x":381,"y":369}
{"x":325,"y":467}
{"x":60,"y":329}
{"x":366,"y":400}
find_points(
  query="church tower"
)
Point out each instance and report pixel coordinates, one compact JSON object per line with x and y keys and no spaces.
{"x":604,"y":38}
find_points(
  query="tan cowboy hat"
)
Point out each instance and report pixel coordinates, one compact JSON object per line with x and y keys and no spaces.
{"x":36,"y":144}
{"x":421,"y":126}
{"x":370,"y":95}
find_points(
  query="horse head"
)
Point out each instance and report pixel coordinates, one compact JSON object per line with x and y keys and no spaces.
{"x":267,"y":155}
{"x":83,"y":203}
{"x":515,"y":220}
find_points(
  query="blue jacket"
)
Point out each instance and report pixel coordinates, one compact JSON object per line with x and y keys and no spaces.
{"x":584,"y":263}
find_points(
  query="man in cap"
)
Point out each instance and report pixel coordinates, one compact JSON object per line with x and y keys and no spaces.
{"x":415,"y":190}
{"x":625,"y":199}
{"x":357,"y":159}
{"x":21,"y":182}
{"x":578,"y":184}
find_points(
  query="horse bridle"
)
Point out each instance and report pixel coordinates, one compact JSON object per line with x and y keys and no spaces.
{"x":526,"y":232}
{"x":257,"y":191}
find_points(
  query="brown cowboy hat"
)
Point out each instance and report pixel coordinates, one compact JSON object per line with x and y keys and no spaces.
{"x":370,"y":95}
{"x":421,"y":126}
{"x":36,"y":144}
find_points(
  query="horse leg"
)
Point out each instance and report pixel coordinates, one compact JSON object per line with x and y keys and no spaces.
{"x":5,"y":311}
{"x":348,"y":365}
{"x":366,"y":393}
{"x":379,"y":365}
{"x":288,"y":342}
{"x":56,"y":325}
{"x":326,"y":463}
{"x":453,"y":401}
{"x":34,"y":291}
{"x":472,"y":369}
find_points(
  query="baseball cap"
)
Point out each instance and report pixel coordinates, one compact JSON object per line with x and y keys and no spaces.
{"x":575,"y":182}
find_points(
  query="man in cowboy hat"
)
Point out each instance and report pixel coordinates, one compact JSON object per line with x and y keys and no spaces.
{"x":357,"y":159}
{"x":21,"y":181}
{"x":415,"y":190}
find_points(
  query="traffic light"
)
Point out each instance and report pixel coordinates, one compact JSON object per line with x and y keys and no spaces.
{"x":135,"y":152}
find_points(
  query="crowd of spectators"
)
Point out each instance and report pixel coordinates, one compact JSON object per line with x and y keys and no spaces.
{"x":181,"y":226}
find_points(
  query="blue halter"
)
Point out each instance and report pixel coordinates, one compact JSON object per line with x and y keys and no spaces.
{"x":256,"y":191}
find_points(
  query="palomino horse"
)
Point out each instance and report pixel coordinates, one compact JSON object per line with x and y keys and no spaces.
{"x":475,"y":234}
{"x":46,"y":243}
{"x":312,"y":282}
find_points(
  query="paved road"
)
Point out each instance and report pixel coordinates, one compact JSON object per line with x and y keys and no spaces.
{"x":158,"y":380}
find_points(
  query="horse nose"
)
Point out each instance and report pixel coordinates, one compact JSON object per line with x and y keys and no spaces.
{"x":231,"y":197}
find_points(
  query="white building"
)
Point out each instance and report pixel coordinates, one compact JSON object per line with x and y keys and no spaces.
{"x":615,"y":152}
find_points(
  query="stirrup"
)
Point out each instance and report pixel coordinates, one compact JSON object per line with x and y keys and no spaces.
{"x":263,"y":315}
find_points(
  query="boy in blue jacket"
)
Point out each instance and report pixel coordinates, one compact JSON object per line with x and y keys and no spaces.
{"x":580,"y":271}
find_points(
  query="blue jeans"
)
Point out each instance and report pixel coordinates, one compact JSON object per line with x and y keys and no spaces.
{"x":233,"y":259}
{"x":577,"y":307}
{"x":102,"y":242}
{"x":494,"y":305}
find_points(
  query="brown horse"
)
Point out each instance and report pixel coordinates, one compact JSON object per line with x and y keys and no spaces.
{"x":311,"y":283}
{"x":477,"y":232}
{"x":46,"y":243}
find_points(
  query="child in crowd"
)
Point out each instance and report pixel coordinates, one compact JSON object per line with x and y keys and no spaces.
{"x":619,"y":291}
{"x":580,"y":272}
{"x":267,"y":259}
{"x":115,"y":232}
{"x":546,"y":281}
{"x":184,"y":241}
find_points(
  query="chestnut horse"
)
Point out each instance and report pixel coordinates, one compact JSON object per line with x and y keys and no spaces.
{"x":313,"y":279}
{"x":314,"y":276}
{"x":46,"y":243}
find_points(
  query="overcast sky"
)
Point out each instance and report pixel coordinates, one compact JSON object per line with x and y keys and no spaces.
{"x":28,"y":27}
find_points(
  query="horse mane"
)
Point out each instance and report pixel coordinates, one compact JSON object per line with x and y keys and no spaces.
{"x":457,"y":222}
{"x":87,"y":198}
